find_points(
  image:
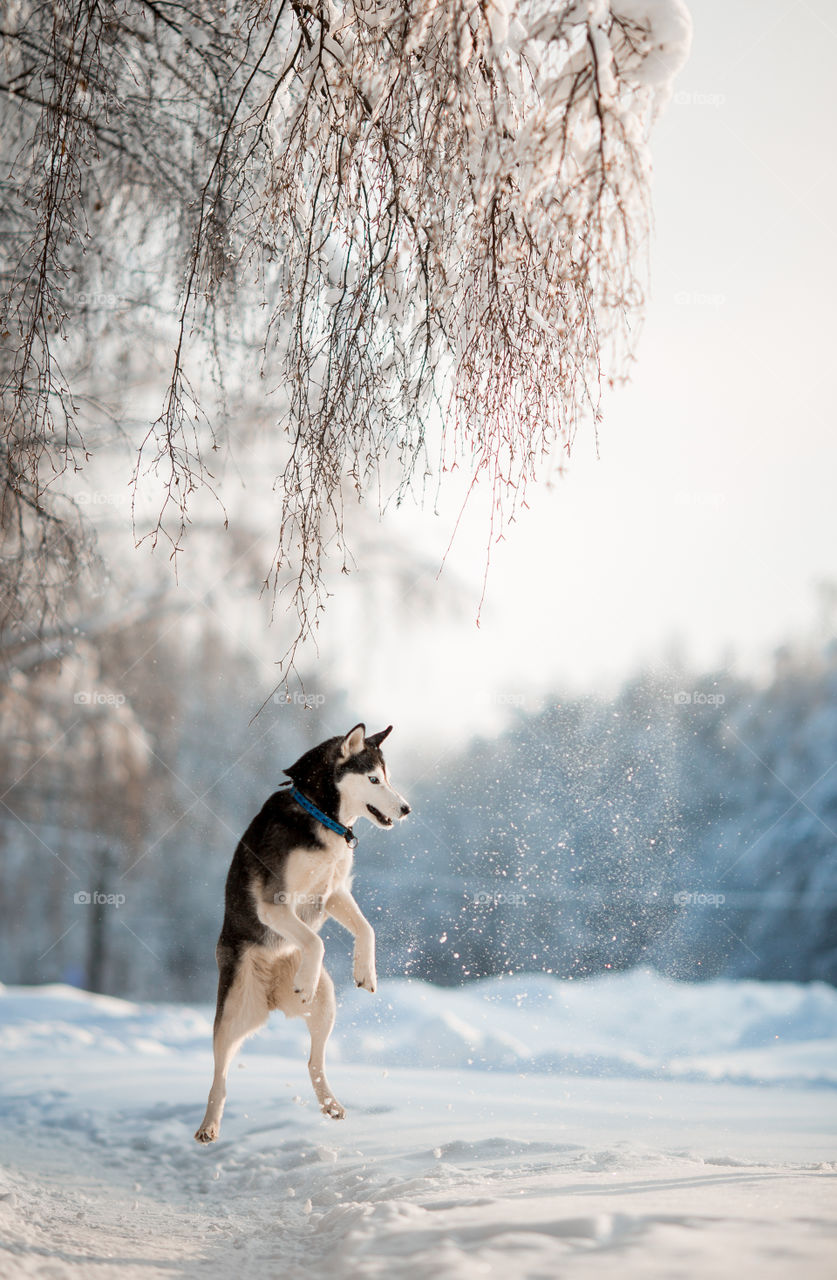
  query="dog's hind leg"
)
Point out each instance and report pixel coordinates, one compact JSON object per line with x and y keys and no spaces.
{"x":242,"y":1009}
{"x":320,"y":1023}
{"x":319,"y":1015}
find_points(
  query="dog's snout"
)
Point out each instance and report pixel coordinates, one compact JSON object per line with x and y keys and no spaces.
{"x":405,"y":809}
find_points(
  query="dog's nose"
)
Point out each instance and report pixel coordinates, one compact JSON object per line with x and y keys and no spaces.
{"x":405,"y":809}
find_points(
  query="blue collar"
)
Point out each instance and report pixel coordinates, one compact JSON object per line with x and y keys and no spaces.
{"x":309,"y":807}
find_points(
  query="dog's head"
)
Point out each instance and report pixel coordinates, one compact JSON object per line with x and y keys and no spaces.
{"x":347,"y":777}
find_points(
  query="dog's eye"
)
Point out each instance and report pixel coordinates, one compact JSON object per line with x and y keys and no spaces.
{"x":373,"y":779}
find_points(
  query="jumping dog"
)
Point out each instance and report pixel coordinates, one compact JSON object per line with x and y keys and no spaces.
{"x":292,"y":869}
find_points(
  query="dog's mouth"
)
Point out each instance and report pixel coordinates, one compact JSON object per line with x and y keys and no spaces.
{"x":379,"y":817}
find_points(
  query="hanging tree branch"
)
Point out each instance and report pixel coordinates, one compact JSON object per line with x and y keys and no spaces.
{"x":440,"y":210}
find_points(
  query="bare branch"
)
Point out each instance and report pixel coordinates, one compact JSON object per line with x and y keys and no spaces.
{"x":430,"y":220}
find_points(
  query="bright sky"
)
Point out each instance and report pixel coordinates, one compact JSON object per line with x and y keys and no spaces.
{"x":712,"y":512}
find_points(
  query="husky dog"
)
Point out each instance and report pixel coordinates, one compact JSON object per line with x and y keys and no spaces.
{"x":292,"y":869}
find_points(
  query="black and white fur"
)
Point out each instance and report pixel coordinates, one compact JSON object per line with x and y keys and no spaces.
{"x":289,"y":872}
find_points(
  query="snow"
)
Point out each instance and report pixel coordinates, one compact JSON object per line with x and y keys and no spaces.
{"x":669,"y":36}
{"x":636,"y":1024}
{"x":521,"y":1127}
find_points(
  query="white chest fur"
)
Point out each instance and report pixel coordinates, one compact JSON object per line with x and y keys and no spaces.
{"x":311,"y":875}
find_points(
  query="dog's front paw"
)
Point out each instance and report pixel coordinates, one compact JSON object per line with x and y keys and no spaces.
{"x":365,"y":976}
{"x":207,"y":1133}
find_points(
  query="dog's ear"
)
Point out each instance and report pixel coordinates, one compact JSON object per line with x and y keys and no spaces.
{"x":377,"y":738}
{"x":353,"y":742}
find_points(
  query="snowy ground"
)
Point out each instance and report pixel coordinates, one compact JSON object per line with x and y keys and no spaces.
{"x":517,"y":1128}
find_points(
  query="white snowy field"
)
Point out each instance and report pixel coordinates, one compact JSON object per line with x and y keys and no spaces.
{"x":522,"y":1127}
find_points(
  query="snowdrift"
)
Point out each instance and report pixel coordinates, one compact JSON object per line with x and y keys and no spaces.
{"x":636,"y":1024}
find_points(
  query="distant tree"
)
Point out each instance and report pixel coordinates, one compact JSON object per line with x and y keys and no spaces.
{"x":427,"y":216}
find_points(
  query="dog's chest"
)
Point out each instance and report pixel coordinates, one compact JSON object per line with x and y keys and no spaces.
{"x":312,"y":874}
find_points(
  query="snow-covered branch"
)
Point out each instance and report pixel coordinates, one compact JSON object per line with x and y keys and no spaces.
{"x":440,"y":208}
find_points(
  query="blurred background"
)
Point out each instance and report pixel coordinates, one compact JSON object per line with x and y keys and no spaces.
{"x":626,"y":755}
